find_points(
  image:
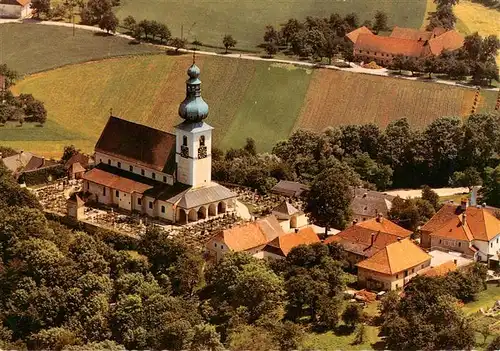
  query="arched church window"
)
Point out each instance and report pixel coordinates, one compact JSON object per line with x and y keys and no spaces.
{"x":184,"y":140}
{"x":202,"y":140}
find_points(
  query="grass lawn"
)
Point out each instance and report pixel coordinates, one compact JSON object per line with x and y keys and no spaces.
{"x":29,"y":48}
{"x":209,"y":21}
{"x":485,"y":299}
{"x":340,"y":341}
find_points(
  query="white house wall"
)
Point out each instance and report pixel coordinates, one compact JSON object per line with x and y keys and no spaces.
{"x":11,"y":11}
{"x":125,"y":165}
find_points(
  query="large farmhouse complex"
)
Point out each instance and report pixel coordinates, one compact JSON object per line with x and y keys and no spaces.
{"x":157,"y":173}
{"x":407,"y":42}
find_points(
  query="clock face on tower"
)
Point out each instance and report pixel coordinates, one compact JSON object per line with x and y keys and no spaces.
{"x":202,"y":152}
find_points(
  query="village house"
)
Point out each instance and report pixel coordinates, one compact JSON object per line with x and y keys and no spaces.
{"x":160,"y":174}
{"x":367,"y":204}
{"x":470,"y":229}
{"x":408,"y":42}
{"x":25,"y":163}
{"x":76,"y":165}
{"x":364,"y":239}
{"x":392,"y":267}
{"x":289,"y":189}
{"x":289,"y":217}
{"x":283,"y":244}
{"x":15,"y":8}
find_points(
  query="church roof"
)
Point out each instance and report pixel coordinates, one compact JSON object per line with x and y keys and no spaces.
{"x":195,"y":197}
{"x":139,"y":144}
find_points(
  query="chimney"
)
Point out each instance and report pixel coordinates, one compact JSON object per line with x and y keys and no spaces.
{"x":484,"y":204}
{"x":399,"y":239}
{"x":463,"y":204}
{"x":372,"y":239}
{"x":365,"y":194}
{"x":296,"y":230}
{"x":43,"y":161}
{"x":379,"y":217}
{"x":473,"y":197}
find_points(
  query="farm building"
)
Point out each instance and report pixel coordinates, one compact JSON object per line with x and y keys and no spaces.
{"x":25,"y":163}
{"x":15,"y":8}
{"x":289,"y":189}
{"x":368,"y":204}
{"x":362,"y":240}
{"x":393,"y":267}
{"x":163,"y":175}
{"x":470,"y":229}
{"x":408,"y":42}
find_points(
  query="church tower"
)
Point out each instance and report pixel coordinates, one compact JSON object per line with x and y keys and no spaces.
{"x":193,"y":136}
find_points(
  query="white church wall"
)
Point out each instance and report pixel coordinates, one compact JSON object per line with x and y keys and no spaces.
{"x":101,"y":193}
{"x":137,"y":169}
{"x":165,"y":210}
{"x":124,"y":200}
{"x":149,"y":206}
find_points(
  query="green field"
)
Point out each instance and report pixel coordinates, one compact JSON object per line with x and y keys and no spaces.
{"x":258,"y":99}
{"x":208,"y":21}
{"x":29,"y":48}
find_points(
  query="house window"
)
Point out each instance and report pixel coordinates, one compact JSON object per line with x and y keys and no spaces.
{"x":117,"y":193}
{"x":440,"y":241}
{"x":119,"y":165}
{"x":202,"y":140}
{"x":142,"y":172}
{"x":497,"y":240}
{"x":397,"y":286}
{"x":397,"y":276}
{"x":153,"y":175}
{"x":109,"y":161}
{"x":422,"y":266}
{"x":215,"y":244}
{"x":104,"y":191}
{"x":139,"y":201}
{"x":185,"y":140}
{"x":163,"y":209}
{"x":222,"y":247}
{"x":491,"y":245}
{"x":131,"y":168}
{"x":164,"y":179}
{"x":459,"y":244}
{"x":100,"y":160}
{"x":150,"y":204}
{"x":406,"y":273}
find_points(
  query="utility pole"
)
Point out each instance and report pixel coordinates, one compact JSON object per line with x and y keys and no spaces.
{"x":182,"y":31}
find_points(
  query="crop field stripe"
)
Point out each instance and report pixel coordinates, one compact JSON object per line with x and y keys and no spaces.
{"x":271,"y":105}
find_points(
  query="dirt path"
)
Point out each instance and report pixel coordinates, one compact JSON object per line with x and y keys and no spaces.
{"x":410,"y":193}
{"x":353,"y":67}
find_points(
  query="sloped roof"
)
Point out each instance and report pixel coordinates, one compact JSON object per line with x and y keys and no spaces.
{"x":15,"y":2}
{"x":451,"y":40}
{"x":17,"y":162}
{"x":389,"y":45}
{"x":194,"y":197}
{"x":139,"y":144}
{"x":283,"y":244}
{"x":289,"y":188}
{"x":82,"y":159}
{"x":410,"y":33}
{"x":358,"y":238}
{"x":370,"y":203}
{"x":440,"y":270}
{"x":109,"y":177}
{"x":75,"y":198}
{"x":480,"y":223}
{"x":250,"y":235}
{"x":395,"y":258}
{"x":353,"y":36}
{"x":77,"y":168}
{"x":285,"y":208}
{"x":37,"y":162}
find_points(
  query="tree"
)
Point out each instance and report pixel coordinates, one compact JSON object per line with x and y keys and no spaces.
{"x":491,"y":188}
{"x":430,"y":65}
{"x":144,"y":26}
{"x":494,"y":344}
{"x":410,"y":213}
{"x":271,"y":35}
{"x":34,"y":109}
{"x":442,"y":17}
{"x":468,"y":178}
{"x":41,"y":7}
{"x":251,"y":338}
{"x":10,"y":75}
{"x":380,"y":21}
{"x":288,"y":30}
{"x":108,"y":22}
{"x":431,"y":196}
{"x":129,"y":22}
{"x":178,"y":43}
{"x":352,"y":315}
{"x":164,"y":33}
{"x":271,"y":49}
{"x":329,"y":200}
{"x":229,"y":42}
{"x":95,"y":10}
{"x":53,"y":339}
{"x":360,"y":335}
{"x":206,"y":338}
{"x":482,"y":325}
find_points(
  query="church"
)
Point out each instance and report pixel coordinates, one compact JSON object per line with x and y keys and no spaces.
{"x":163,"y":175}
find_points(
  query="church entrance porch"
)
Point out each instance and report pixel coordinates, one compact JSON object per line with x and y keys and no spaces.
{"x":204,"y":212}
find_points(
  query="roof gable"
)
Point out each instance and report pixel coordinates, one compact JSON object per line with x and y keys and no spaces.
{"x":410,"y":33}
{"x":353,"y":36}
{"x":287,"y":242}
{"x":396,"y":257}
{"x":139,"y":144}
{"x":285,"y":208}
{"x":389,"y":45}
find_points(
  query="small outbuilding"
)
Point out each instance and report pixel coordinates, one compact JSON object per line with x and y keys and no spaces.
{"x":15,"y":8}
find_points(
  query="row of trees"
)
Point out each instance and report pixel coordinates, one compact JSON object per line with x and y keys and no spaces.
{"x":476,"y":58}
{"x":19,"y":108}
{"x":319,"y":37}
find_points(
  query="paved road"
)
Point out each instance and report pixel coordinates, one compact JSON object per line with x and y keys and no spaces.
{"x":353,"y":67}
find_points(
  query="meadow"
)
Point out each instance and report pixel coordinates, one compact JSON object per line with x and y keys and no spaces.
{"x":258,"y":99}
{"x":208,"y":21}
{"x":31,"y":47}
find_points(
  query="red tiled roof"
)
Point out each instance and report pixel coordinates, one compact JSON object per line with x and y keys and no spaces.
{"x":389,"y":45}
{"x":441,"y":270}
{"x":445,"y":214}
{"x":353,"y":36}
{"x":114,"y":181}
{"x":80,"y":158}
{"x":410,"y":33}
{"x":358,"y":238}
{"x":287,"y":242}
{"x":138,"y":143}
{"x":395,"y":258}
{"x":451,"y":40}
{"x":15,"y":2}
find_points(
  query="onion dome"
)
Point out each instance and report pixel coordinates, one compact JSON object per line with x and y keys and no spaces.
{"x":193,"y":108}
